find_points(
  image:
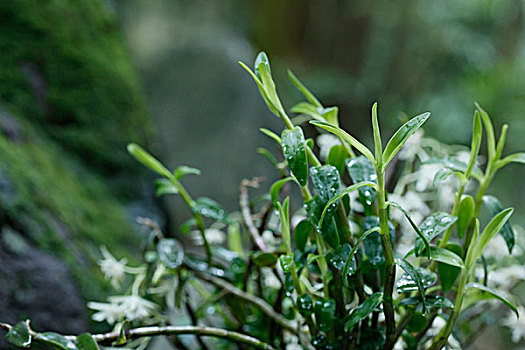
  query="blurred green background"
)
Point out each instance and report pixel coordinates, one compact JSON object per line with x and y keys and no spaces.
{"x":438,"y":56}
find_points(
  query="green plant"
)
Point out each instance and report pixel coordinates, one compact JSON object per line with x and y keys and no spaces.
{"x":326,"y":277}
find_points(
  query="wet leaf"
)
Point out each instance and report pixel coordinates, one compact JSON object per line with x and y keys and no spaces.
{"x":56,"y":340}
{"x":448,"y":274}
{"x":211,"y":209}
{"x":286,"y":261}
{"x":86,"y":342}
{"x":294,"y":152}
{"x":489,"y":293}
{"x":19,"y":335}
{"x":363,"y":310}
{"x":373,"y":247}
{"x":445,"y":256}
{"x":361,"y":169}
{"x":324,"y":314}
{"x":302,"y":231}
{"x":432,"y":227}
{"x":465,"y":215}
{"x":305,"y":305}
{"x":507,"y":232}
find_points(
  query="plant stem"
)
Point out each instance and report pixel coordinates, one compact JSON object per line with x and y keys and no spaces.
{"x":198,"y":218}
{"x":176,"y":330}
{"x":455,"y":211}
{"x":390,"y":266}
{"x":244,"y":203}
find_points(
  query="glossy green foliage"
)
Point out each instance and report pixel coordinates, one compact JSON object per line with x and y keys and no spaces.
{"x":286,"y":261}
{"x":165,"y":186}
{"x":209,"y":208}
{"x":494,"y":206}
{"x":324,"y":314}
{"x":305,"y":304}
{"x":432,"y":227}
{"x":302,"y":231}
{"x":414,"y":279}
{"x":372,"y":244}
{"x":493,"y":227}
{"x":55,"y":340}
{"x":19,"y":335}
{"x":86,"y":342}
{"x":148,"y":160}
{"x":294,"y":151}
{"x":448,"y":274}
{"x":432,"y":302}
{"x":414,"y":226}
{"x":484,"y":292}
{"x":263,"y":259}
{"x":338,"y":258}
{"x":465,"y":215}
{"x":401,"y":136}
{"x":445,"y":256}
{"x":360,"y":169}
{"x":363,"y":310}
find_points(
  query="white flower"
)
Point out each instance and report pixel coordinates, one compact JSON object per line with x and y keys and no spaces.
{"x":413,"y":204}
{"x":113,"y":270}
{"x":109,"y":312}
{"x":506,"y":277}
{"x":134,"y":306}
{"x":213,"y":236}
{"x":517,"y":325}
{"x":270,"y":280}
{"x":325,"y":143}
{"x":438,"y":324}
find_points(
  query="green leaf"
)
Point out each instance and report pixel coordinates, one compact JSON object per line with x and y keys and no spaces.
{"x":56,"y":340}
{"x":235,"y":239}
{"x":494,"y":206}
{"x":492,"y":294}
{"x":304,"y":90}
{"x":347,"y":137}
{"x":363,"y":310}
{"x":337,"y":157}
{"x":164,"y":186}
{"x":331,"y":204}
{"x":456,"y":165}
{"x":19,"y":335}
{"x":401,"y":136}
{"x":271,"y":135}
{"x":305,"y":305}
{"x":432,"y":227}
{"x":148,"y":160}
{"x":307,"y":109}
{"x":302,"y":231}
{"x":413,"y":224}
{"x":338,"y":258}
{"x":209,"y":208}
{"x":284,"y":218}
{"x":326,"y":181}
{"x":432,"y":302}
{"x":475,"y":145}
{"x":415,"y":278}
{"x":324,"y":314}
{"x":268,"y":155}
{"x":170,"y":252}
{"x":487,"y":123}
{"x":465,"y":215}
{"x":294,"y":152}
{"x":276,"y":189}
{"x":263,"y":259}
{"x":286,"y":261}
{"x":361,"y":169}
{"x":373,"y":246}
{"x":406,"y":284}
{"x":442,"y":175}
{"x":448,"y":274}
{"x":330,"y":114}
{"x":377,"y":136}
{"x":184,"y":170}
{"x":493,"y":227}
{"x":262,"y":89}
{"x":86,"y":342}
{"x":350,"y":263}
{"x":513,"y":158}
{"x":445,"y":256}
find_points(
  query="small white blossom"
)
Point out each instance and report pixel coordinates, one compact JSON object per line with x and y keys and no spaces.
{"x":425,"y":176}
{"x":213,"y":236}
{"x":325,"y":143}
{"x":113,"y":269}
{"x":269,"y":238}
{"x":504,"y":278}
{"x":270,"y":280}
{"x":134,"y":306}
{"x":109,"y":312}
{"x":516,"y":325}
{"x":438,"y":324}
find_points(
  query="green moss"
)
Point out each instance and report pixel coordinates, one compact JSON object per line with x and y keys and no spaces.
{"x":65,"y":210}
{"x":64,"y":66}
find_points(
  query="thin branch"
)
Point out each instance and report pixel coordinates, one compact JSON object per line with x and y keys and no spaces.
{"x":172,"y":330}
{"x":260,"y":303}
{"x":244,"y":203}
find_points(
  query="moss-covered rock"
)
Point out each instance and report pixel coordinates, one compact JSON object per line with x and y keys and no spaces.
{"x":69,"y":103}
